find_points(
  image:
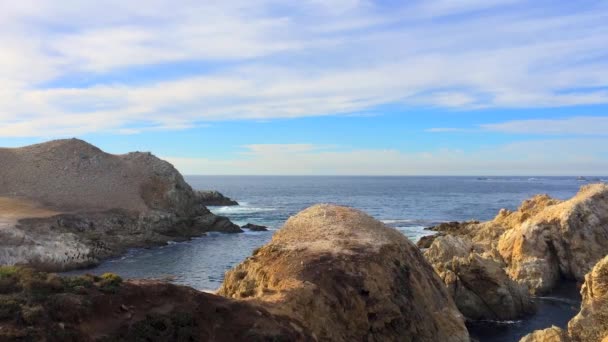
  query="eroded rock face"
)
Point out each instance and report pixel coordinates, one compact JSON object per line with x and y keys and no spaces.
{"x":563,"y":239}
{"x":479,"y":285}
{"x":45,"y":307}
{"x":545,"y":239}
{"x":96,"y":205}
{"x":348,"y":277}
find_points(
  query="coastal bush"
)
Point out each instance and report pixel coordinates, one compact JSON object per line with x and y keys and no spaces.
{"x":76,"y":284}
{"x":8,"y":271}
{"x":110,"y":282}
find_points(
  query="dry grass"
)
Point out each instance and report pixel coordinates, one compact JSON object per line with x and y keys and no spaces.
{"x":13,"y":208}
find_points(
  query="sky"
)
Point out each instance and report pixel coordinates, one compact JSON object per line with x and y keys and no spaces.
{"x":314,"y":87}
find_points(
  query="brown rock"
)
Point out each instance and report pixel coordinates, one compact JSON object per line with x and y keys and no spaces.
{"x":348,"y":277}
{"x":591,"y":323}
{"x":480,"y":287}
{"x":559,"y":239}
{"x":553,"y":334}
{"x":545,"y":239}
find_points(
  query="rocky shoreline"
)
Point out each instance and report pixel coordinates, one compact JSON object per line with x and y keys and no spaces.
{"x":71,"y":205}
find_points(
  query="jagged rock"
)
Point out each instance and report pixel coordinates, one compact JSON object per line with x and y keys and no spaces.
{"x":255,"y":227}
{"x":427,"y":241}
{"x":67,"y":204}
{"x":480,"y":287}
{"x":591,"y":323}
{"x":545,"y":239}
{"x":561,"y":239}
{"x":44,"y":307}
{"x":348,"y":277}
{"x":553,"y":334}
{"x":214,"y":198}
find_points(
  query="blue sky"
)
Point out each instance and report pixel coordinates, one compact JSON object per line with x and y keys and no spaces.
{"x":315,"y":87}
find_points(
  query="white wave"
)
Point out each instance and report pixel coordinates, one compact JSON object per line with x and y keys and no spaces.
{"x":559,"y":299}
{"x":506,"y":322}
{"x":238,"y":210}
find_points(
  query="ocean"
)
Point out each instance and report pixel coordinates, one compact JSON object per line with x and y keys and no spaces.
{"x":408,"y":204}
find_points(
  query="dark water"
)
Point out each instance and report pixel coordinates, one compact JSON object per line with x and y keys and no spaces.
{"x":407,"y":203}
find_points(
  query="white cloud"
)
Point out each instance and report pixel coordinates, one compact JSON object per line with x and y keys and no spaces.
{"x":583,"y":125}
{"x":577,"y":157}
{"x":270,"y":59}
{"x":578,"y":125}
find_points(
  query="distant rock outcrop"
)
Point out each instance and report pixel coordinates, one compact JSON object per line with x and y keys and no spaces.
{"x":255,"y":227}
{"x":214,"y":198}
{"x":545,"y":239}
{"x":66,"y":204}
{"x":347,"y":277}
{"x":37,"y":306}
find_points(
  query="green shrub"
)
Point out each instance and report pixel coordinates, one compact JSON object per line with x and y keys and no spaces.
{"x":8,"y":271}
{"x":79,"y":282}
{"x":110,"y":282}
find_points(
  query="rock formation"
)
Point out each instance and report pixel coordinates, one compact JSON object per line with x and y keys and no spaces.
{"x":66,"y":204}
{"x":480,"y":287}
{"x":552,"y":334}
{"x":591,"y":323}
{"x":211,"y":198}
{"x":347,"y":277}
{"x":45,"y":307}
{"x":255,"y":227}
{"x":545,"y":239}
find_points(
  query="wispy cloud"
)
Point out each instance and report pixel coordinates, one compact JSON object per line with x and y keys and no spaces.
{"x":263,"y":59}
{"x":579,"y":125}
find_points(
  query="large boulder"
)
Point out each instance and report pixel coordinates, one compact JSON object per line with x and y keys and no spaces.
{"x":67,"y":204}
{"x":479,"y":285}
{"x":37,"y":306}
{"x":347,"y":277}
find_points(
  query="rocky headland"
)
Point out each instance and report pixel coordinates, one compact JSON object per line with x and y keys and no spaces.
{"x":492,"y":269}
{"x":347,"y":277}
{"x":66,"y":204}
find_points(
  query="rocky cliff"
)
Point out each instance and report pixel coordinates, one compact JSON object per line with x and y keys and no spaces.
{"x":66,"y":204}
{"x":347,"y":277}
{"x":545,"y":239}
